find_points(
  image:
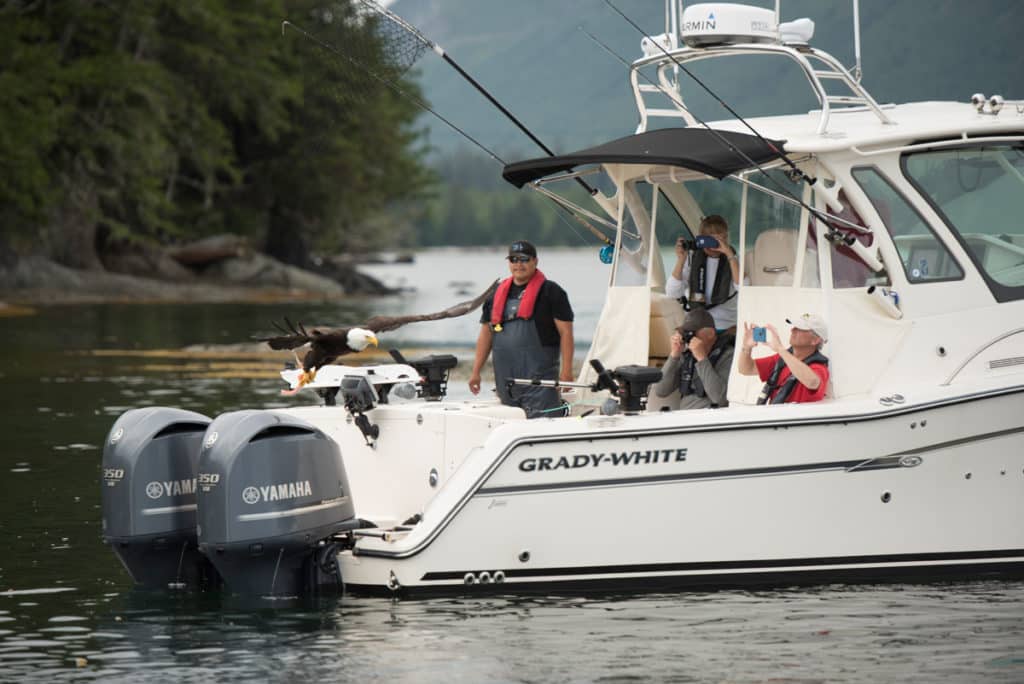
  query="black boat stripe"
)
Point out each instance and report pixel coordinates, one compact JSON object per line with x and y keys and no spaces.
{"x":716,"y":566}
{"x":890,"y":412}
{"x":962,"y":440}
{"x":710,"y":582}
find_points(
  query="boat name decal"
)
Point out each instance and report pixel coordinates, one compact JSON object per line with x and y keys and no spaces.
{"x":158,"y":489}
{"x":285,"y":490}
{"x":615,"y":458}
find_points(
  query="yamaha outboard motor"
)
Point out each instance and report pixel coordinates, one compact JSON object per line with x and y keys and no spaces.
{"x":272,"y":492}
{"x":149,"y":501}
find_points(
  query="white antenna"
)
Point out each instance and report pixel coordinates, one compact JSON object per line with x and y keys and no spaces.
{"x":857,"y":72}
{"x":673,"y":28}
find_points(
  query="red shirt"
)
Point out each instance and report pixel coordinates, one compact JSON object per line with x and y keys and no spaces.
{"x":800,"y":393}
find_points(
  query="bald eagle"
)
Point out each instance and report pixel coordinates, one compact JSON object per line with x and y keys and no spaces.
{"x":327,"y":344}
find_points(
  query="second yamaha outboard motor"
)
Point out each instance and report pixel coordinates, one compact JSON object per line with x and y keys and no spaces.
{"x":148,"y":494}
{"x":272,"y":491}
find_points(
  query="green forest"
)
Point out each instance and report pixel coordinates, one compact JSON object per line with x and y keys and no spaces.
{"x":130,"y":123}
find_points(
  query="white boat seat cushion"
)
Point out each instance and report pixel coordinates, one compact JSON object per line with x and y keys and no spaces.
{"x":773,"y":258}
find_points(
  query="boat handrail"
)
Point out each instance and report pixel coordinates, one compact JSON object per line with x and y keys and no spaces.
{"x":829,"y":68}
{"x":961,"y":139}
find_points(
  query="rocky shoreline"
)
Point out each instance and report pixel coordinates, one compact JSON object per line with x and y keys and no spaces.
{"x":249,"y":276}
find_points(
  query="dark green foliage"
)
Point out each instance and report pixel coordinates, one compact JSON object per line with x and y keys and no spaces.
{"x":475,"y":206}
{"x":160,"y":120}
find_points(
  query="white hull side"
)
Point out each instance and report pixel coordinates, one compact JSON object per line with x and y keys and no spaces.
{"x":805,"y":497}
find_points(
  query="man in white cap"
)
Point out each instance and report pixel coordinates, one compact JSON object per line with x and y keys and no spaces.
{"x":795,"y":375}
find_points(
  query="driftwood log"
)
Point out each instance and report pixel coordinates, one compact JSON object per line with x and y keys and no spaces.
{"x":210,"y":250}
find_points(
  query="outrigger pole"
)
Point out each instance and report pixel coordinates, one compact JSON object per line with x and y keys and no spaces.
{"x":411,"y":30}
{"x":425,"y":107}
{"x":389,"y":84}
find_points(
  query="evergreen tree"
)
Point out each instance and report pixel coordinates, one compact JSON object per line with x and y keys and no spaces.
{"x":152,"y":121}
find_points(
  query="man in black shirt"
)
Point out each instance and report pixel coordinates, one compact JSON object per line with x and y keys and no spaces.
{"x":528,"y":324}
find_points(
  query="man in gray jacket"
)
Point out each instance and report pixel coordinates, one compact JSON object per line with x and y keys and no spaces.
{"x":698,"y":364}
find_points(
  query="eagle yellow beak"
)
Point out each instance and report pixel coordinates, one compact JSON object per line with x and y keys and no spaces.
{"x":373,"y":340}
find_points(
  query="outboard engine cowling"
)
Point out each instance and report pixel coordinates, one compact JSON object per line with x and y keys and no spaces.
{"x":148,"y":495}
{"x":272,"y":488}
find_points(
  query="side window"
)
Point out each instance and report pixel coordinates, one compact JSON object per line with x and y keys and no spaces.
{"x":925,"y":259}
{"x":979,"y":192}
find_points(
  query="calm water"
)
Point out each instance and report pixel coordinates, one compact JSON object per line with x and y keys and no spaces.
{"x":67,"y":610}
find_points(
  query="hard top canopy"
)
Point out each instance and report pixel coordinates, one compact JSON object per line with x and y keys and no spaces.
{"x":715,"y":153}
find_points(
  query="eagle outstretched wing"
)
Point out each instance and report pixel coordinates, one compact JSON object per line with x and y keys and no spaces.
{"x":388,"y":323}
{"x":327,"y":344}
{"x":290,"y":338}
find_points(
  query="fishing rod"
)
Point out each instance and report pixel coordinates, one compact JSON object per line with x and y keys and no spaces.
{"x":391,"y":85}
{"x":401,"y":92}
{"x":833,"y":234}
{"x":415,"y":33}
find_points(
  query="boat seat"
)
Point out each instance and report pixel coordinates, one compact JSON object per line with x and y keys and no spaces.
{"x":772,"y":261}
{"x":666,"y":316}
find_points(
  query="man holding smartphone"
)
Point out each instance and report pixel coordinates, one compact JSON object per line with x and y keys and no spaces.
{"x":698,"y":363}
{"x":709,"y":276}
{"x":795,"y":375}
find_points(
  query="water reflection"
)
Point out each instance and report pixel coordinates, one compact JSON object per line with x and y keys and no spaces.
{"x":847,"y":633}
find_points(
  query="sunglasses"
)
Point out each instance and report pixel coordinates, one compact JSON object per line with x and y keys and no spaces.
{"x":519,"y":259}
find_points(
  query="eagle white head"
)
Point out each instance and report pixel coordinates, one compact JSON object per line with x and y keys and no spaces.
{"x":359,"y":338}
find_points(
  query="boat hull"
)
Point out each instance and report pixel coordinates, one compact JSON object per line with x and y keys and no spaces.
{"x":795,"y":496}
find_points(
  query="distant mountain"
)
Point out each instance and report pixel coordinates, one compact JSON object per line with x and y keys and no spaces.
{"x":532,"y":57}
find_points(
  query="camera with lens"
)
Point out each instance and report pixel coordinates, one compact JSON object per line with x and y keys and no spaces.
{"x":699,"y":242}
{"x":687,"y":336}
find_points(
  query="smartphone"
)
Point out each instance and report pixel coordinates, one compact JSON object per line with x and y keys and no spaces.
{"x":760,"y":335}
{"x":703,"y":241}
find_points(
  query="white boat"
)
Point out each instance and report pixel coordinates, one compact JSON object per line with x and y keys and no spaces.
{"x":911,"y":467}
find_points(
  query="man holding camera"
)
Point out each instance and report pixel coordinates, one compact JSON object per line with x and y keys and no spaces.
{"x":795,"y":375}
{"x":698,"y":363}
{"x":707,"y":272}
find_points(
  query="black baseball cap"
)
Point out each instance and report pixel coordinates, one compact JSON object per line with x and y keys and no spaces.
{"x":696,"y":319}
{"x":522,"y":247}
